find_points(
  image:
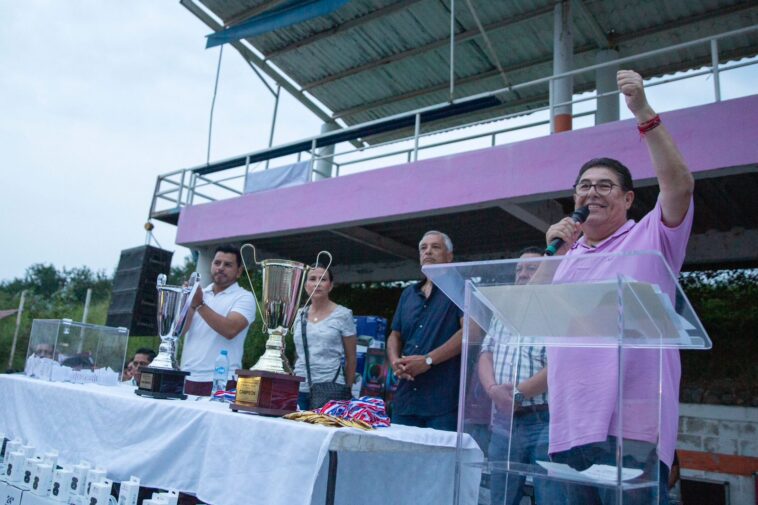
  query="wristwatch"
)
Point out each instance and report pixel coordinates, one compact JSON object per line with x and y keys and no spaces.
{"x":518,"y":397}
{"x":428,"y":360}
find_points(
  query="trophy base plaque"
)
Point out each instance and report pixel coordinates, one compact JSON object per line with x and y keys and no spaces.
{"x":266,"y":393}
{"x":162,"y":383}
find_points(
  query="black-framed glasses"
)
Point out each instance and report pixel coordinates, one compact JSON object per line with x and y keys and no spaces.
{"x":603,"y":188}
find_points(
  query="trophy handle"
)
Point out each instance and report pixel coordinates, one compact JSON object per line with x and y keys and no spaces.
{"x":188,"y":293}
{"x":250,"y":280}
{"x":251,"y":246}
{"x":308,"y":268}
{"x":328,"y":265}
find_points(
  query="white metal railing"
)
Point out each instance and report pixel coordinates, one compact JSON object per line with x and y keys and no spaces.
{"x":187,"y":187}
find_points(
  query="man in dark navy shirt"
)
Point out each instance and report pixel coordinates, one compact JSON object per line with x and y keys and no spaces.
{"x":424,"y":347}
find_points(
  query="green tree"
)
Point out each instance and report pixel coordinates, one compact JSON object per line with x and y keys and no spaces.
{"x":44,"y":280}
{"x":79,"y":280}
{"x":725,"y":302}
{"x":181,"y":273}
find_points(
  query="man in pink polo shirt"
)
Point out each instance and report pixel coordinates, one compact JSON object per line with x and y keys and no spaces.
{"x":583,"y":382}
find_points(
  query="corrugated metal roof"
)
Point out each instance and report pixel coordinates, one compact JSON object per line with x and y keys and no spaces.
{"x":374,"y":58}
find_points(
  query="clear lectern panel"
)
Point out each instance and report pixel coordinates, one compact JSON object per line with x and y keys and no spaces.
{"x":568,"y":373}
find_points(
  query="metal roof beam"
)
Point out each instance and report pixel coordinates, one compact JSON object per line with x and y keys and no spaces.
{"x":252,"y":12}
{"x":376,"y":241}
{"x":600,"y":37}
{"x":439,"y":87}
{"x":353,"y":23}
{"x":251,"y":57}
{"x":490,"y":52}
{"x":459,"y":38}
{"x":462,"y":37}
{"x":413,"y":94}
{"x":705,"y":16}
{"x":616,"y":40}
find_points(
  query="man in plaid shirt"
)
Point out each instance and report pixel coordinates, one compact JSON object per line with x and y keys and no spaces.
{"x":515,"y":379}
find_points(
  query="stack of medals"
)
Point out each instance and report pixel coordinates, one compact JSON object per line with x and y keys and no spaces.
{"x":367,"y":409}
{"x":311,"y":417}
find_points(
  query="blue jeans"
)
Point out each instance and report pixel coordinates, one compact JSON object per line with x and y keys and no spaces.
{"x":529,"y":443}
{"x":303,"y":400}
{"x":637,"y":454}
{"x":447,"y":422}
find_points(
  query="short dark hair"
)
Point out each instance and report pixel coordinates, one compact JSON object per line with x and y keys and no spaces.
{"x":229,"y":249}
{"x":611,"y":164}
{"x":329,"y":273}
{"x":144,"y":350}
{"x":532,"y":249}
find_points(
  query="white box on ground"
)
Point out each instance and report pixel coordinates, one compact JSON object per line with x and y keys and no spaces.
{"x":10,"y":495}
{"x":79,"y":478}
{"x":129,"y":491}
{"x":15,"y":467}
{"x":171,"y":496}
{"x":33,"y":499}
{"x":42,"y":479}
{"x":61,"y":487}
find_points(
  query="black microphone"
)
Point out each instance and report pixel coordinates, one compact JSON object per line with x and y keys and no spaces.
{"x":579,"y":216}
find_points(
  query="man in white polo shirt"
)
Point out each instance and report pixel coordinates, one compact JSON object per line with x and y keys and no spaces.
{"x":219,"y":318}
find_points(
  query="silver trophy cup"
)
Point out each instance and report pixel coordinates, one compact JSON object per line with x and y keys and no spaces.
{"x":283,"y":282}
{"x":173,"y":306}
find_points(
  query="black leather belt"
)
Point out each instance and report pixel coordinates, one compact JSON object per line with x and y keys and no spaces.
{"x":530,"y":409}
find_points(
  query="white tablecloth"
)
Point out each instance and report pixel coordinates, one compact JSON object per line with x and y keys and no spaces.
{"x":228,"y":458}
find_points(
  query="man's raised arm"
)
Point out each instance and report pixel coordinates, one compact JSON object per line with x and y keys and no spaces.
{"x":674,"y":178}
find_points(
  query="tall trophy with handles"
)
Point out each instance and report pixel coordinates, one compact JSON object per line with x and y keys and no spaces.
{"x":269,"y":387}
{"x":163,"y":379}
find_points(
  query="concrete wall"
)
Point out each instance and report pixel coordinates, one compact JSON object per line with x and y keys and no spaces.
{"x":720,"y":443}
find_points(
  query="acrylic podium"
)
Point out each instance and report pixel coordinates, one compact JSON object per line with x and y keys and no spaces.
{"x":608,"y":329}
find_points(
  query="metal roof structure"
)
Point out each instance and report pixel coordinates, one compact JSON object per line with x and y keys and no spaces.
{"x":374,"y":65}
{"x":372,"y":59}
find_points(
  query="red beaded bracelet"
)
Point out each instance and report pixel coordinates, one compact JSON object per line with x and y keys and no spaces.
{"x":651,"y":124}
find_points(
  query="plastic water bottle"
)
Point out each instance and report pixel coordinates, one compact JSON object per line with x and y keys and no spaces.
{"x":220,"y":373}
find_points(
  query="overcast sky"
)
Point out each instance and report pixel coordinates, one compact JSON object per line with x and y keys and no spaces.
{"x":97,"y":98}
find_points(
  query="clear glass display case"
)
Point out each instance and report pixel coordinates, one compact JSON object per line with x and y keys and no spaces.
{"x":79,"y":347}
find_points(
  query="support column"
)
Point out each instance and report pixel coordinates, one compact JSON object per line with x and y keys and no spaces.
{"x":323,"y":168}
{"x":605,"y":81}
{"x":563,"y":60}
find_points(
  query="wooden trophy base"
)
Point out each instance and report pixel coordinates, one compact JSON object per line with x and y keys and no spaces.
{"x":266,"y":393}
{"x":162,"y":383}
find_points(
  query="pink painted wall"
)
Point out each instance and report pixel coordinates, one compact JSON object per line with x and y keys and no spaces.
{"x":711,"y":136}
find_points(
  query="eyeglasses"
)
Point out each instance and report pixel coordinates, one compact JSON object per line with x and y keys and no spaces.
{"x":603,"y":188}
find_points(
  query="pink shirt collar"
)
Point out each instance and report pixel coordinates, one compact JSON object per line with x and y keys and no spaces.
{"x":622,"y":230}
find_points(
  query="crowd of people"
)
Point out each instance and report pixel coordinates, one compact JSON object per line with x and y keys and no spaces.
{"x":556,"y":403}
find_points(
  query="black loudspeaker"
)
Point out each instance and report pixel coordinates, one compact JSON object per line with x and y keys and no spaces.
{"x":134,"y":297}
